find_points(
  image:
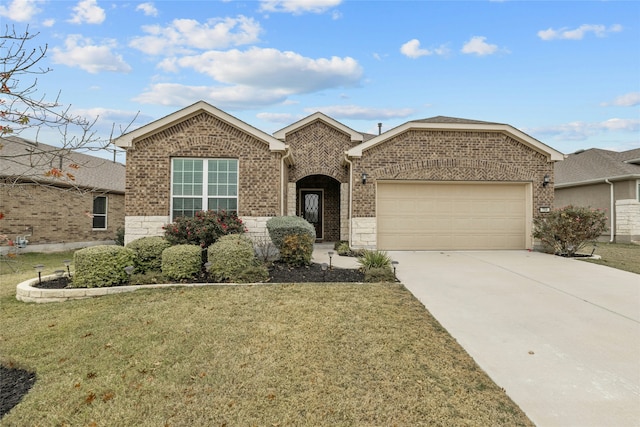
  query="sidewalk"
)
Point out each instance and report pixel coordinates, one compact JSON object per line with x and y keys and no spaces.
{"x":321,"y":254}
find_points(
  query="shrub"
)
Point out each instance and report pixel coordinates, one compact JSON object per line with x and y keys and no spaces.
{"x":102,"y":265}
{"x":374,"y":259}
{"x":280,"y":227}
{"x":203,"y":229}
{"x":148,"y":253}
{"x":253,"y":274}
{"x":119,"y":239}
{"x":148,"y":278}
{"x":297,"y":249}
{"x":181,"y":262}
{"x":342,"y":248}
{"x":566,"y":230}
{"x":229,"y":257}
{"x":378,"y":275}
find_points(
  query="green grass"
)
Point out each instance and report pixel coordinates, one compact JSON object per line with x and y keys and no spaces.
{"x":20,"y":268}
{"x":616,"y":255}
{"x":300,"y":354}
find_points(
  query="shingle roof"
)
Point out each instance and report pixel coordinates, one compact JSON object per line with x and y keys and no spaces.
{"x":446,"y":119}
{"x":597,"y":164}
{"x":28,"y":161}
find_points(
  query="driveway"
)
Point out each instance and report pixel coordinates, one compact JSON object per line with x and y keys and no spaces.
{"x":561,"y":336}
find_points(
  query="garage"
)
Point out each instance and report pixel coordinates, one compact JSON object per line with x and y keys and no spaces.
{"x":453,"y":216}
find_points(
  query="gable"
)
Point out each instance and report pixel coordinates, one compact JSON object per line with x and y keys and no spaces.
{"x":282,"y":133}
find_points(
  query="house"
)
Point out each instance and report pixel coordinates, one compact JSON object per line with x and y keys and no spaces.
{"x":606,"y":180}
{"x":439,"y":183}
{"x":58,"y":199}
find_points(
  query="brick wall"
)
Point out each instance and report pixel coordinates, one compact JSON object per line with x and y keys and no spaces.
{"x":56,"y":215}
{"x":149,"y":166}
{"x":450,"y":156}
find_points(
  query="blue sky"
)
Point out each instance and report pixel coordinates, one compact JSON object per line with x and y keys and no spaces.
{"x":565,"y":72}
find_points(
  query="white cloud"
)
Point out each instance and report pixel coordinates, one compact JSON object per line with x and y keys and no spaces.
{"x":271,"y":68}
{"x":362,"y":113}
{"x":225,"y":97}
{"x":20,"y":10}
{"x":413,"y":50}
{"x":579,"y":130}
{"x":182,"y":35}
{"x":49,"y":22}
{"x":82,"y":53}
{"x":283,"y":118}
{"x":88,"y":12}
{"x":298,"y":7}
{"x":578,"y":33}
{"x":630,"y":99}
{"x":148,"y":9}
{"x":478,"y":46}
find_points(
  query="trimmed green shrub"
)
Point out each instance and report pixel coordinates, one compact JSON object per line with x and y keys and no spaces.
{"x":297,"y":249}
{"x":379,"y":275}
{"x":280,"y":227}
{"x":374,"y":259}
{"x":148,"y":253}
{"x":566,"y":230}
{"x":253,"y":274}
{"x":119,"y":239}
{"x":148,"y":278}
{"x":230,"y":256}
{"x":181,"y":262}
{"x":99,"y":266}
{"x":203,"y":229}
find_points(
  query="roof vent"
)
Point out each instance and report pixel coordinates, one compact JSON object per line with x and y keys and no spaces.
{"x":379,"y":128}
{"x":579,"y":151}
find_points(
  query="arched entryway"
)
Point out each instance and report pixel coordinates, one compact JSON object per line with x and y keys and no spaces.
{"x":318,"y":201}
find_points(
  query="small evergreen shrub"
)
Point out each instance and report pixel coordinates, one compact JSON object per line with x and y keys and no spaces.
{"x":566,"y":230}
{"x":253,"y":274}
{"x":374,"y":259}
{"x":181,"y":262}
{"x":203,"y":229}
{"x":340,"y":244}
{"x":280,"y":227}
{"x":229,"y":257}
{"x":379,"y":275}
{"x":102,"y":265}
{"x":148,"y":278}
{"x":297,"y":249}
{"x":148,"y":253}
{"x":119,"y":239}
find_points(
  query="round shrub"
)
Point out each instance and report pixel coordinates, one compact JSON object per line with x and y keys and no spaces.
{"x":181,"y":262}
{"x":252,"y":274}
{"x":229,"y":256}
{"x":280,"y":227}
{"x":102,"y":265}
{"x":148,"y":253}
{"x":374,"y":259}
{"x":297,"y":249}
{"x":379,"y":275}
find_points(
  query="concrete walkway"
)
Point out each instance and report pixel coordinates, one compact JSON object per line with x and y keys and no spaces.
{"x":561,"y":336}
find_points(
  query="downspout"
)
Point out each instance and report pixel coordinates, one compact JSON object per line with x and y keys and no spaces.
{"x":282,"y":183}
{"x":611,"y":211}
{"x":346,"y":159}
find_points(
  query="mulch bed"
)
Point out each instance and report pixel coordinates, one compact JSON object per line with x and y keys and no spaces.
{"x":14,"y":385}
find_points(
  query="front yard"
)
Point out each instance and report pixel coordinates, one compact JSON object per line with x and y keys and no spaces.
{"x":293,"y":354}
{"x":622,"y":257}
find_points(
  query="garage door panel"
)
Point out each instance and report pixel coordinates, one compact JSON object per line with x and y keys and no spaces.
{"x":428,"y":216}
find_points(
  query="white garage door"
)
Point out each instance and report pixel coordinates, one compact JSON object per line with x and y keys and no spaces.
{"x":452,"y":216}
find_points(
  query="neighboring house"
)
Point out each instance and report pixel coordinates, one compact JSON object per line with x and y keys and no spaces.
{"x":605,"y":180}
{"x":63,"y":212}
{"x":439,"y":183}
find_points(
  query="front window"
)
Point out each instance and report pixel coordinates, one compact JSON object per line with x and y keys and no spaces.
{"x":99,"y":213}
{"x":203,"y":184}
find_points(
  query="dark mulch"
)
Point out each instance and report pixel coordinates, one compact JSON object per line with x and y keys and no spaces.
{"x":14,"y":385}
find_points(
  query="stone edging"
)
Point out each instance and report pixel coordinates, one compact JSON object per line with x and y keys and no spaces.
{"x":27,"y":293}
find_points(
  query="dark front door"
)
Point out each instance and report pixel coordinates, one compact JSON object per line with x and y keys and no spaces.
{"x":312,"y":209}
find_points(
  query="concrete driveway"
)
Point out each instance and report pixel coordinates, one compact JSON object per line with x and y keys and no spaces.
{"x":561,"y":336}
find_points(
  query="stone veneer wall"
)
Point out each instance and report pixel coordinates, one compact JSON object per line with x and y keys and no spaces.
{"x":627,"y":221}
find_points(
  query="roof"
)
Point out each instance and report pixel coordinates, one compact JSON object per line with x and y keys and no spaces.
{"x":29,"y":161}
{"x":596,"y":165}
{"x":128,"y":140}
{"x":355,"y":136}
{"x":458,"y":124}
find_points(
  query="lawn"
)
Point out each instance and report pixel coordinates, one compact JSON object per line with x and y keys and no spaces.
{"x":293,"y":354}
{"x":616,"y":255}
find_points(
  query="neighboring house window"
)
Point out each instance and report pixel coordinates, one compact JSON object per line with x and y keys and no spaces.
{"x":203,"y":184}
{"x":100,"y":213}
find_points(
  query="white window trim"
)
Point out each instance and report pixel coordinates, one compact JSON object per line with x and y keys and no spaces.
{"x":105,"y":215}
{"x":205,"y":187}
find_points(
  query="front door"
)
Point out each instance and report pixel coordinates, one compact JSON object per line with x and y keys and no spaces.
{"x":311,"y":209}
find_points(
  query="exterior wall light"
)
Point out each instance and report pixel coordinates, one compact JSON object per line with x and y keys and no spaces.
{"x":364,"y":178}
{"x":546,"y":180}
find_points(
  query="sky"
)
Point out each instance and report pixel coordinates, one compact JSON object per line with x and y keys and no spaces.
{"x":565,"y":72}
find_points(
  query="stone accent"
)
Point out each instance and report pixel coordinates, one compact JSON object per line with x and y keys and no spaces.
{"x":364,"y":234}
{"x":256,"y":226}
{"x":56,"y":215}
{"x":344,"y":211}
{"x":291,"y":199}
{"x":627,"y":221}
{"x":136,"y":227}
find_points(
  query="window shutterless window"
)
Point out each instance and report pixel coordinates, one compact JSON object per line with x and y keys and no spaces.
{"x":203,"y":184}
{"x":99,"y":213}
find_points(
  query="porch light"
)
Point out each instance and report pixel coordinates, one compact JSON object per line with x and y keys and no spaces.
{"x":39,"y":269}
{"x":546,"y":180}
{"x":394,"y":264}
{"x":364,"y":178}
{"x":330,"y":253}
{"x":67,"y":263}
